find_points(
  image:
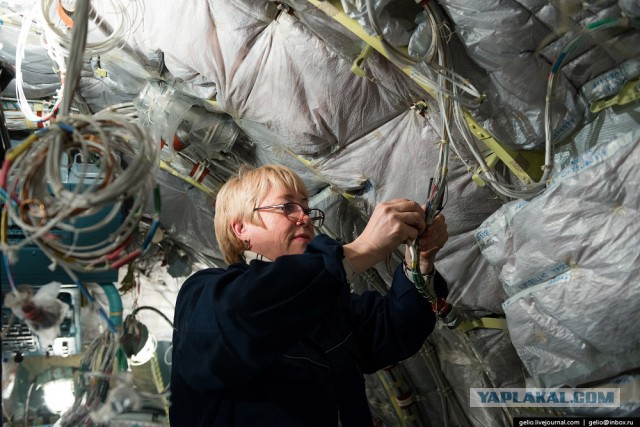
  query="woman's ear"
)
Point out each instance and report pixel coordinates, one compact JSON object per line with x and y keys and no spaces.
{"x":239,"y":229}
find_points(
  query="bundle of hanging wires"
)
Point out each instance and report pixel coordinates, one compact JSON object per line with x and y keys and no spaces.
{"x":114,"y":161}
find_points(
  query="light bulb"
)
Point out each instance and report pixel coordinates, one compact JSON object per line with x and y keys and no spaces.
{"x":58,"y":395}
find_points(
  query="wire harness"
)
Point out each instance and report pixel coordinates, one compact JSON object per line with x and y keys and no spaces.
{"x":114,"y":161}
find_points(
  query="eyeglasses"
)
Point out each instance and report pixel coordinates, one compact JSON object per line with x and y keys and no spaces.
{"x":295,"y":212}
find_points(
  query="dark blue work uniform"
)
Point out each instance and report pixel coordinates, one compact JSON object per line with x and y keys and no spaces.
{"x":285,"y":343}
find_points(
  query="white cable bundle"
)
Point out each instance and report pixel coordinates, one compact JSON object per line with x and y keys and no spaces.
{"x":114,"y":180}
{"x":58,"y":33}
{"x":56,"y":26}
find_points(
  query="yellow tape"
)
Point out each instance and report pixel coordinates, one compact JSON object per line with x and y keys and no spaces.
{"x":482,"y":323}
{"x":526,"y":165}
{"x":187,"y":179}
{"x":356,"y":67}
{"x":17,"y":151}
{"x":630,"y":92}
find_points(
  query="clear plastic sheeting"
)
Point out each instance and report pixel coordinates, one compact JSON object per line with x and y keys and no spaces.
{"x":569,"y":306}
{"x":195,"y":142}
{"x":115,"y":78}
{"x":570,"y":329}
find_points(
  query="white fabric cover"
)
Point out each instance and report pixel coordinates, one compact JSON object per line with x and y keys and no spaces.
{"x":571,"y":261}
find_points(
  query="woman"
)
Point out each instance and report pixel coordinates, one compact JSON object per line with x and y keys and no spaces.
{"x":277,"y":338}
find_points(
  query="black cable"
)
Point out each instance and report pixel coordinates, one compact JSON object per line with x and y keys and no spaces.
{"x":444,"y":199}
{"x":147,"y":307}
{"x":6,"y":75}
{"x":5,"y":139}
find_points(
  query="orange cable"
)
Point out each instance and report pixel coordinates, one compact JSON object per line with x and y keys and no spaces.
{"x":63,"y":15}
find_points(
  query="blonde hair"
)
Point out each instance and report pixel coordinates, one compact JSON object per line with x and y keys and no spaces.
{"x":240,"y":195}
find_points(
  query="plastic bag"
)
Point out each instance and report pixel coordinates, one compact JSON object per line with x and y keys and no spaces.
{"x":43,"y":312}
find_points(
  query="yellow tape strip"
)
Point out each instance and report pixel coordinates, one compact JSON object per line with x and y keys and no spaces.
{"x":482,"y":323}
{"x":164,"y":165}
{"x":630,"y":92}
{"x":526,"y":165}
{"x":356,"y":67}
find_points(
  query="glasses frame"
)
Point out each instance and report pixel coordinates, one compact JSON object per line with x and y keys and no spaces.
{"x":318,"y":217}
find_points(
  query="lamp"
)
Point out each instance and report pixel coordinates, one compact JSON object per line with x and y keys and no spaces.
{"x":58,"y":395}
{"x":57,"y":388}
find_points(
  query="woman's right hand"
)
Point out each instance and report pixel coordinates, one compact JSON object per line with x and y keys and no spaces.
{"x":391,"y":224}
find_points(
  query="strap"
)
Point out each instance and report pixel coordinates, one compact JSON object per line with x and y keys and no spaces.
{"x":484,"y":323}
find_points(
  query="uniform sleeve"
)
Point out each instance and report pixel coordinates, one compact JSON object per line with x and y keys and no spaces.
{"x":232,"y":323}
{"x":392,"y":327}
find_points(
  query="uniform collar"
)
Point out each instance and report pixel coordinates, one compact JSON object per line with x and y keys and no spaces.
{"x":250,"y":256}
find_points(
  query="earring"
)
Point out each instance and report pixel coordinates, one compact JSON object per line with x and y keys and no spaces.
{"x":247,"y":245}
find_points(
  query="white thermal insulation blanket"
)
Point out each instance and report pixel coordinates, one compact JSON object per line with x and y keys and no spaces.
{"x":570,"y":259}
